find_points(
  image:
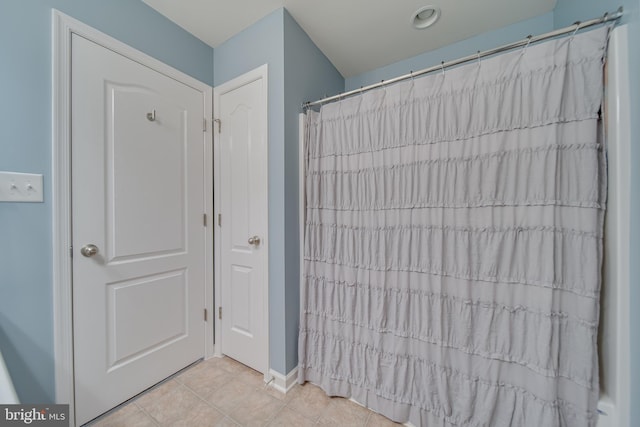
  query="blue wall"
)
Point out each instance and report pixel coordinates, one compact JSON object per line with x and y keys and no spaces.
{"x":278,"y":41}
{"x":25,"y":146}
{"x":309,"y":75}
{"x":466,"y":47}
{"x":25,"y":141}
{"x":567,"y":12}
{"x":263,"y":43}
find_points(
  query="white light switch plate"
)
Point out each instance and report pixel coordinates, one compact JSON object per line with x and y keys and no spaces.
{"x":20,"y":187}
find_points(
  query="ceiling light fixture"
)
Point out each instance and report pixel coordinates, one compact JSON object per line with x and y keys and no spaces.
{"x":425,"y":17}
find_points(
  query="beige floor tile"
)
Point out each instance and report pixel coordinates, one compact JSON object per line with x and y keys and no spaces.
{"x":290,"y":418}
{"x":231,"y":365}
{"x":256,"y":409}
{"x":230,"y":395}
{"x":377,"y":420}
{"x":214,"y":361}
{"x":251,"y":377}
{"x":328,"y":422}
{"x":116,"y":418}
{"x":196,"y":369}
{"x":157,"y":392}
{"x":344,"y":412}
{"x":310,"y":401}
{"x":139,"y":419}
{"x":227,"y":422}
{"x":236,"y":396}
{"x":276,"y":393}
{"x":205,"y":378}
{"x":201,"y":415}
{"x":285,"y":397}
{"x":173,"y":403}
{"x":128,"y":416}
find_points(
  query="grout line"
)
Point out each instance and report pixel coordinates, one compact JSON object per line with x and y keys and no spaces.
{"x":234,"y":420}
{"x":208,"y":402}
{"x":144,"y":411}
{"x":211,"y":404}
{"x":283,"y":404}
{"x":368,"y":417}
{"x":315,"y":419}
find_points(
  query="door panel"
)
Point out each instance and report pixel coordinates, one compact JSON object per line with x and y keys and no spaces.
{"x":238,"y":144}
{"x":243,"y":175}
{"x":138,"y":196}
{"x":240,"y":297}
{"x":137,"y":325}
{"x":130,"y":144}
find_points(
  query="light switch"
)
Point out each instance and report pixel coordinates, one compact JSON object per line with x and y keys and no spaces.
{"x":20,"y":187}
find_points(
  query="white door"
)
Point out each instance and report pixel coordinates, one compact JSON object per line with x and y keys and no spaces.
{"x":138,"y":200}
{"x":242,"y":110}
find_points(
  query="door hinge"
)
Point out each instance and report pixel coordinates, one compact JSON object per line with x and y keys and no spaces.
{"x":220,"y":313}
{"x":205,"y":314}
{"x":219,"y":122}
{"x":204,"y":219}
{"x":204,"y":125}
{"x":219,"y":220}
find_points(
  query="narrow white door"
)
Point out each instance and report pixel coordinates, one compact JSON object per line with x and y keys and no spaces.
{"x":138,"y":232}
{"x":241,"y":107}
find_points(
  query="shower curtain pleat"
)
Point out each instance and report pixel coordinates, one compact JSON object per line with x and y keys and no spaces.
{"x":453,"y":242}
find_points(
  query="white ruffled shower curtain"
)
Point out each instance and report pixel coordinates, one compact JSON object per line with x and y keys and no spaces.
{"x":453,"y":242}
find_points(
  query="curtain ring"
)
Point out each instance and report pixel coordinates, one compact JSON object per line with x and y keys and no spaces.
{"x":577,"y":24}
{"x":340,"y":94}
{"x":383,"y":86}
{"x":478,"y":58}
{"x":529,"y":37}
{"x":442,"y":67}
{"x":411,"y":74}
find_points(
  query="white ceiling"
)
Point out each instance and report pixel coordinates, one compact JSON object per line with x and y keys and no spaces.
{"x":356,"y":35}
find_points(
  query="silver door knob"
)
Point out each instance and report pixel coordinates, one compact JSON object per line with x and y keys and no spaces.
{"x":255,"y":240}
{"x":89,"y":250}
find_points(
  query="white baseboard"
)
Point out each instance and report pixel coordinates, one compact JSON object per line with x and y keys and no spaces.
{"x":284,"y":383}
{"x":607,"y":413}
{"x":214,"y":355}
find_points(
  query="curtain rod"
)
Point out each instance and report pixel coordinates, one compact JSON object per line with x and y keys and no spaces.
{"x":607,"y":17}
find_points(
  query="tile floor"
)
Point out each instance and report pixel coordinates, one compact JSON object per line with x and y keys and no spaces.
{"x":223,"y":392}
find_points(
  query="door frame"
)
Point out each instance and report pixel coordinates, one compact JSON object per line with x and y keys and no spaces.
{"x":63,"y":27}
{"x":258,"y":73}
